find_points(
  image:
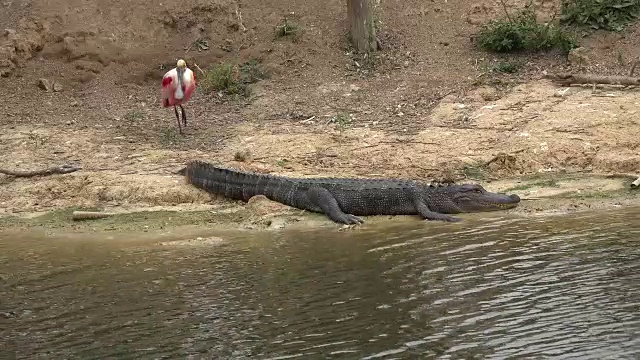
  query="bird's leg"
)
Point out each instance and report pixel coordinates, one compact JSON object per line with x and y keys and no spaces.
{"x":184,"y":116}
{"x":178,"y":119}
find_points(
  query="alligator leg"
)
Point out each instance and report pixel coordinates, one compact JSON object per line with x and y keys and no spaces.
{"x":322,"y":198}
{"x":427,"y":214}
{"x":430,"y":215}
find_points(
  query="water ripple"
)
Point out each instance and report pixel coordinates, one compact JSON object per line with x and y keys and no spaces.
{"x":565,"y":286}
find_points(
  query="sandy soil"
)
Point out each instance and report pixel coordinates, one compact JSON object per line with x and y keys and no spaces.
{"x":431,"y":109}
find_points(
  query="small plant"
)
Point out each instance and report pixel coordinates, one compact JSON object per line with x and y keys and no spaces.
{"x":37,"y":139}
{"x":242,"y":156}
{"x":169,"y":136}
{"x":287,"y":28}
{"x":507,"y":67}
{"x":474,"y":172}
{"x":251,"y":72}
{"x":199,"y":44}
{"x":620,"y":57}
{"x":219,"y":77}
{"x":600,"y":14}
{"x":232,"y":80}
{"x":523,"y":32}
{"x":342,"y":121}
{"x":133,"y":116}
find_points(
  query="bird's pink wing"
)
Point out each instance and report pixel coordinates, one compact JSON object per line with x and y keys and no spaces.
{"x":168,"y":88}
{"x":189,"y":86}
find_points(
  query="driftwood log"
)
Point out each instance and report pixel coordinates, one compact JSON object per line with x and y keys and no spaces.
{"x":64,"y":169}
{"x":89,"y":215}
{"x":567,"y":79}
{"x":634,"y":184}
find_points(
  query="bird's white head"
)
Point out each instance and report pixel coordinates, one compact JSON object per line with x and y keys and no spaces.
{"x":181,"y":64}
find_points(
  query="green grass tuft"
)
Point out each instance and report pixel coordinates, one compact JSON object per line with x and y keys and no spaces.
{"x":611,"y":15}
{"x":231,"y":79}
{"x":507,"y":67}
{"x":134,"y":116}
{"x":523,"y":32}
{"x":287,"y":28}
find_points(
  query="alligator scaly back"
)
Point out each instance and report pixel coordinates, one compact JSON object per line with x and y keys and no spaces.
{"x":233,"y":184}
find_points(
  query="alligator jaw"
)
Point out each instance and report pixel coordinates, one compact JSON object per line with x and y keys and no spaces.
{"x":504,"y":202}
{"x":473,"y":202}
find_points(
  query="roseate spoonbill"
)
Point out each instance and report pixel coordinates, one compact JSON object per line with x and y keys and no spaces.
{"x":177,"y":86}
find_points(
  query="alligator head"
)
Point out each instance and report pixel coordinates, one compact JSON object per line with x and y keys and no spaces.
{"x":470,"y":198}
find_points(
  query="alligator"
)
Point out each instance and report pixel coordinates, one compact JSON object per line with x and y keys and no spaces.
{"x":344,"y":200}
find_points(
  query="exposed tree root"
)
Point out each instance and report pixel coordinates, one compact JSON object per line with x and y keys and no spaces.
{"x":64,"y":169}
{"x":566,"y":79}
{"x":634,"y":184}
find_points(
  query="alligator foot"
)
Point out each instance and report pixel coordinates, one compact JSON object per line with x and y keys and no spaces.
{"x":442,"y":217}
{"x":323,"y":199}
{"x":349,"y":219}
{"x":427,"y":214}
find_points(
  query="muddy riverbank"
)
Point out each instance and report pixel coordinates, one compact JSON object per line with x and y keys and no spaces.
{"x":542,"y":195}
{"x":86,"y":93}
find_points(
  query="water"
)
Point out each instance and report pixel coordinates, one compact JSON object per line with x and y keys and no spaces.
{"x":556,"y":287}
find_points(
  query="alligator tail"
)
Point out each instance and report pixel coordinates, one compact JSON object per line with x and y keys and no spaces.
{"x":222,"y":181}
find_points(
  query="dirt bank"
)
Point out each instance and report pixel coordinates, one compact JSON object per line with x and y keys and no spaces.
{"x":431,"y":109}
{"x":542,"y":195}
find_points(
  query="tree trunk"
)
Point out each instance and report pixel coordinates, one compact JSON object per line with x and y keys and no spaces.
{"x":361,"y":26}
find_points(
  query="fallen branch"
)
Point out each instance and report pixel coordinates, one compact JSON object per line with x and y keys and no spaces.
{"x":89,"y":215}
{"x":621,"y":175}
{"x":64,"y":169}
{"x":506,"y":11}
{"x":239,"y":15}
{"x":566,"y":79}
{"x":634,"y":184}
{"x":198,"y":67}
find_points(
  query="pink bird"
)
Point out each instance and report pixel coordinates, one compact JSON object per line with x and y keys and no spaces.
{"x":177,"y":86}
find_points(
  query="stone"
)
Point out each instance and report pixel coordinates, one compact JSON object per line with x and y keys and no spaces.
{"x":44,"y":84}
{"x":10,"y":34}
{"x":57,"y":87}
{"x":578,"y":56}
{"x":485,"y":93}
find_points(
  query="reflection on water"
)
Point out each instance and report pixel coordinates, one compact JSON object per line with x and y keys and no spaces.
{"x":520,"y":288}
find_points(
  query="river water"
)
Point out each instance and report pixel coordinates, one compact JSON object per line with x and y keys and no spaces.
{"x":500,"y":287}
